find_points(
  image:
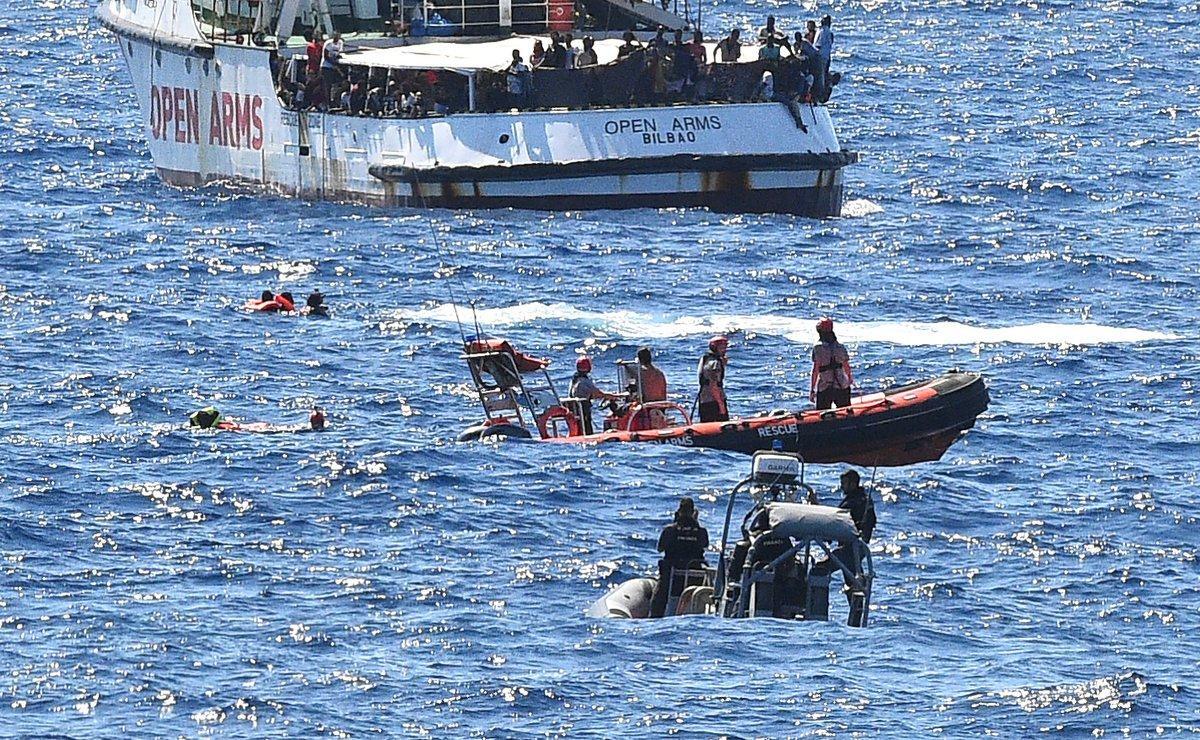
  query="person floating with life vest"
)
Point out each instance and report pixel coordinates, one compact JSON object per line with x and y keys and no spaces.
{"x":270,"y":302}
{"x":711,"y":373}
{"x":206,"y":418}
{"x":584,"y":391}
{"x":682,"y":544}
{"x":831,"y":375}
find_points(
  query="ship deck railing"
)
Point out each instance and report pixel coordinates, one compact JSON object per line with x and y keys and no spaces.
{"x":621,"y":84}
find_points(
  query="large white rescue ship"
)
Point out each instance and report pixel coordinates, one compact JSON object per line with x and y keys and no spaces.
{"x":217,"y":89}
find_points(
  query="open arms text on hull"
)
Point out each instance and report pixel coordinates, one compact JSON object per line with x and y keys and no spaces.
{"x":406,"y":119}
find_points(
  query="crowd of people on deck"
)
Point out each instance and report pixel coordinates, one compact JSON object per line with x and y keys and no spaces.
{"x":679,"y":70}
{"x":667,"y":70}
{"x":319,"y":81}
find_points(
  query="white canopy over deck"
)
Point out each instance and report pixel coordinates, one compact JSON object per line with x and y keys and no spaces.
{"x":469,"y":57}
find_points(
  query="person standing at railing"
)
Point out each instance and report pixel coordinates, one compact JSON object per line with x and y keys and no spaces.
{"x":730,"y":48}
{"x":314,"y":50}
{"x":569,"y":52}
{"x":587,"y":57}
{"x":630,"y":46}
{"x":824,"y":44}
{"x":331,"y":54}
{"x":520,"y":81}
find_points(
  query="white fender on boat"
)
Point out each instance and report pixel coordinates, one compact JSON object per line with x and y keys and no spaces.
{"x":630,"y":600}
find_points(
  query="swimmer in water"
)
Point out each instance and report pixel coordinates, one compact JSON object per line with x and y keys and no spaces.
{"x":315,"y":305}
{"x":206,"y":418}
{"x":316,"y":420}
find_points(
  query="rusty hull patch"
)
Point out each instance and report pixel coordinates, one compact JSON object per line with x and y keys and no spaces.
{"x":725,"y":181}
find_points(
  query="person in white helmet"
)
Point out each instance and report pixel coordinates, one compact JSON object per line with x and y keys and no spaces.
{"x":584,"y":388}
{"x":711,"y":373}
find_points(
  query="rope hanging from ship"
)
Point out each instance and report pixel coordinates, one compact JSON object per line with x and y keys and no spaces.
{"x":444,"y":255}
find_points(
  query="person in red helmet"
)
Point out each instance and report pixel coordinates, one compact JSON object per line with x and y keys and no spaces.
{"x":711,"y":372}
{"x":831,"y":375}
{"x":584,"y":389}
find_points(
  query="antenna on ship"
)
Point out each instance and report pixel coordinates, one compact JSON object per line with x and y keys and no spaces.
{"x":443,"y":253}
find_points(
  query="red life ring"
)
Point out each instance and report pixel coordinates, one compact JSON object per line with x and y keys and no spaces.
{"x":561,"y":15}
{"x":574,"y":428}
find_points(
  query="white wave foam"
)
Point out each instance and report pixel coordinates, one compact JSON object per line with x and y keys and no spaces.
{"x":633,"y":325}
{"x":859,"y":208}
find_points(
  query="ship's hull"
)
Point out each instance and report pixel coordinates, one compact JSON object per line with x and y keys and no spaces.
{"x":212,"y":115}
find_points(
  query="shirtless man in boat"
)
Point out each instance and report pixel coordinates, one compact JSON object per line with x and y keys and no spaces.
{"x":654,"y":383}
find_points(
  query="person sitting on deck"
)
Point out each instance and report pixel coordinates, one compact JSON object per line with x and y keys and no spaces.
{"x":730,"y":48}
{"x":682,"y":544}
{"x":766,"y":88}
{"x":375,"y":102}
{"x":811,"y":77}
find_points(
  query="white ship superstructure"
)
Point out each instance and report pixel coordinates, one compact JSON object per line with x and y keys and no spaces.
{"x":208,"y":84}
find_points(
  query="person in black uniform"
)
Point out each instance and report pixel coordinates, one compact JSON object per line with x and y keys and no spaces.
{"x":682,"y":544}
{"x":857,"y":501}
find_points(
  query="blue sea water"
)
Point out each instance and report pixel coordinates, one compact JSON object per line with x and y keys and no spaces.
{"x":1027,"y":206}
